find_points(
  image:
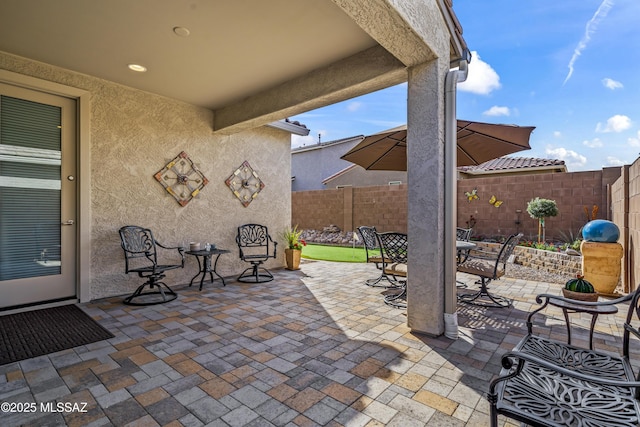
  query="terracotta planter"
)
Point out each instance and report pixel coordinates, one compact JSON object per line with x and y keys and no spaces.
{"x":601,"y":265}
{"x":292,"y":257}
{"x":580,"y":296}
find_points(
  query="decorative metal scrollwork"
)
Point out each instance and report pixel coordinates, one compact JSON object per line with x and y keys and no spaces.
{"x":539,"y":393}
{"x":245,"y":183}
{"x":182,"y":179}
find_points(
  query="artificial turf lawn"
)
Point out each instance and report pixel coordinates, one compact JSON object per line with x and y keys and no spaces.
{"x":334,"y":253}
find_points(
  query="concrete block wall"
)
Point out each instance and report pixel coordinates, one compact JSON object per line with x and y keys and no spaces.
{"x":571,"y":191}
{"x":625,"y":196}
{"x":386,"y":206}
{"x":350,"y":207}
{"x":383,"y":206}
{"x":615,"y":191}
{"x":317,"y":209}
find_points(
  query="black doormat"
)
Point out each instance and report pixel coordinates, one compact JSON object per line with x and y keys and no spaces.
{"x":38,"y":332}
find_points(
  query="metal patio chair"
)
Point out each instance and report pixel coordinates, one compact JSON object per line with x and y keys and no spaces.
{"x":375,"y":256}
{"x":141,"y":255}
{"x":463,"y":235}
{"x":255,"y":246}
{"x":394,"y":247}
{"x":488,"y":267}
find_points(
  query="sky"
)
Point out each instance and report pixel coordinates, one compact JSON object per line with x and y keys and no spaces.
{"x":571,"y":68}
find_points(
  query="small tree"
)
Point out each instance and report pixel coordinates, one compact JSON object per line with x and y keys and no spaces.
{"x":540,"y":209}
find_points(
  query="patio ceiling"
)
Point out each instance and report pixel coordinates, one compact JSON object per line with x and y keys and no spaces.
{"x":251,"y":61}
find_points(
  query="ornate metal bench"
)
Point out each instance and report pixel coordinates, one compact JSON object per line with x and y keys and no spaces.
{"x":549,"y":383}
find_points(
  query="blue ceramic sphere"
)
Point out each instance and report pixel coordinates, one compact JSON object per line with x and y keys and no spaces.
{"x":600,"y":230}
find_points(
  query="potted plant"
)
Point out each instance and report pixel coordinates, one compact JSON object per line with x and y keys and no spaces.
{"x":579,"y":289}
{"x":294,"y":247}
{"x":540,"y":209}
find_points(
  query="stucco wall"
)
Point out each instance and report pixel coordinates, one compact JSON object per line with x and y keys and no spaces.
{"x":133,"y":135}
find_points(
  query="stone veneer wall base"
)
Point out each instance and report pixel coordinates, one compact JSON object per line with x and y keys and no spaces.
{"x":552,"y":262}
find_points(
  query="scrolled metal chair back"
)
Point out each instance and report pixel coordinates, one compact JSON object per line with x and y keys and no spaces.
{"x":138,"y":242}
{"x":250,"y":235}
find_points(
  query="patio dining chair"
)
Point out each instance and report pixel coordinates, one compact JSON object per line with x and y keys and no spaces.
{"x":255,"y":246}
{"x":488,"y":267}
{"x":463,"y":235}
{"x":147,"y":257}
{"x":375,"y":256}
{"x":394,"y":247}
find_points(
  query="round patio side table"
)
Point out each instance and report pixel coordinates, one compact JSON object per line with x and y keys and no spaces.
{"x":205,"y":266}
{"x":595,"y":311}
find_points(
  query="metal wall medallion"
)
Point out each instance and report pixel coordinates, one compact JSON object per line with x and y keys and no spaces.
{"x":182,"y":179}
{"x":245,"y":183}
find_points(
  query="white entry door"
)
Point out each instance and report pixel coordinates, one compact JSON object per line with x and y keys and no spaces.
{"x":37,"y":197}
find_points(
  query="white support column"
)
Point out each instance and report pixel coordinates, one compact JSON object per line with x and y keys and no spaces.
{"x":426,"y":190}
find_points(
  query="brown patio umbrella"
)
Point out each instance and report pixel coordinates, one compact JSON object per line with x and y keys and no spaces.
{"x":477,"y":143}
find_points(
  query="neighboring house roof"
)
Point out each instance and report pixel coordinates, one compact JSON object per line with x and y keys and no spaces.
{"x":310,"y":164}
{"x":502,"y":165}
{"x":337,"y":174}
{"x":321,"y":145}
{"x":510,"y":164}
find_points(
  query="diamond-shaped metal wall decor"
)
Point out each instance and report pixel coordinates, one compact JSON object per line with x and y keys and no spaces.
{"x":245,"y":183}
{"x":182,"y":179}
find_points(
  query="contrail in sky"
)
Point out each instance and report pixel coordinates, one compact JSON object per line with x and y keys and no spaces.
{"x":590,"y":28}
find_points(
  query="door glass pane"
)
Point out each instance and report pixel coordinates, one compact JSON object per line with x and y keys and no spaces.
{"x":30,"y":144}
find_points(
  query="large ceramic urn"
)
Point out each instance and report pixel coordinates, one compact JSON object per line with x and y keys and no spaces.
{"x":601,"y":255}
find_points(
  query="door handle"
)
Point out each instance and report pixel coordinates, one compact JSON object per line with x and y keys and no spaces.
{"x":67,"y":222}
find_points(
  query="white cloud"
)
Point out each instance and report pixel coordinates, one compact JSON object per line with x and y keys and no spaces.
{"x":590,"y":29}
{"x":570,"y":157}
{"x":634,"y":142}
{"x":482,"y":79}
{"x":594,"y":143}
{"x":617,"y":123}
{"x":354,"y":106}
{"x":557,"y":134}
{"x":611,"y":84}
{"x":613,"y":161}
{"x":497,"y":111}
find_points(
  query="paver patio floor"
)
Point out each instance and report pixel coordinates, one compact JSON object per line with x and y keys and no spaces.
{"x":313,"y":347}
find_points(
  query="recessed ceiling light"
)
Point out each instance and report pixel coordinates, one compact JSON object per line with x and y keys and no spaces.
{"x":137,"y":67}
{"x":181,"y":31}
